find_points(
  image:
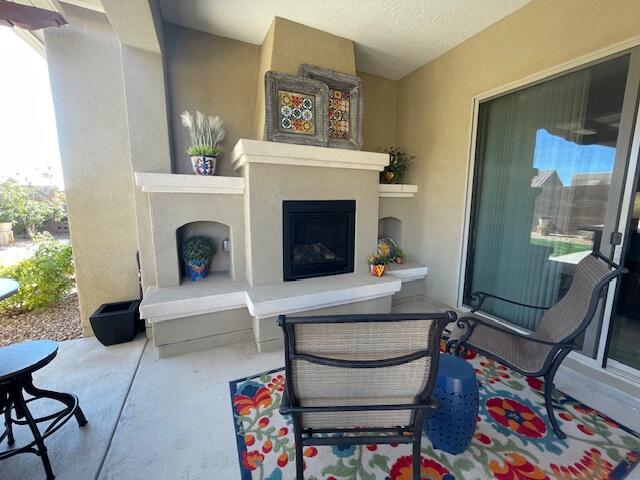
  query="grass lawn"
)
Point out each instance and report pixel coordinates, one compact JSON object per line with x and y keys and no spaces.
{"x":561,"y":247}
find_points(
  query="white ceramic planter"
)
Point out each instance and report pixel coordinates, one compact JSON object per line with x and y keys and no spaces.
{"x":203,"y":165}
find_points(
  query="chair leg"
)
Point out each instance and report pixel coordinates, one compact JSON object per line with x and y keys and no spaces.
{"x":417,"y":446}
{"x":299,"y":455}
{"x":548,"y":402}
{"x":548,"y":392}
{"x":7,"y":424}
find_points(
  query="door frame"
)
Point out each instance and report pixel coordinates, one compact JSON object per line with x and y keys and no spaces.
{"x":630,"y":187}
{"x":621,"y":372}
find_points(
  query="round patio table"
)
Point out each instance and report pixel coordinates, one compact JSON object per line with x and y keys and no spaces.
{"x":8,"y":287}
{"x":17,"y":363}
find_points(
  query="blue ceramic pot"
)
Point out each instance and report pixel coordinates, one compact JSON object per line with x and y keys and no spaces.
{"x":197,"y":270}
{"x":203,"y":165}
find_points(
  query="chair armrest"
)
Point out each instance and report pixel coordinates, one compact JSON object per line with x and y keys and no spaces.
{"x":480,"y":297}
{"x":473,"y":321}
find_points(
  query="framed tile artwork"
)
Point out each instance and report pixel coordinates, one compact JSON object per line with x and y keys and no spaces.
{"x":345,"y":109}
{"x":296,"y":109}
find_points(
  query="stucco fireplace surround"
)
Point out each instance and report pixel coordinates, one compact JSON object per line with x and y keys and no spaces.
{"x":246,"y":289}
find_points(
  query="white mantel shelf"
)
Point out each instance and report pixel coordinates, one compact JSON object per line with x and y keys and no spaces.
{"x":174,"y":183}
{"x":257,"y":151}
{"x":397,"y":190}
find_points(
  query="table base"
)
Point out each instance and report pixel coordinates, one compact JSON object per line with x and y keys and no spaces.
{"x":12,"y":399}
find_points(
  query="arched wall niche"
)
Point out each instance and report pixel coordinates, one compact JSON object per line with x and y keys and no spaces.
{"x":217,"y":233}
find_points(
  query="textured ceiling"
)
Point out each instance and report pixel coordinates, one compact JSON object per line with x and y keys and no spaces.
{"x":392,"y":37}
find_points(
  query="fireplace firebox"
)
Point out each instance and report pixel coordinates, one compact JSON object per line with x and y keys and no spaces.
{"x":318,"y":238}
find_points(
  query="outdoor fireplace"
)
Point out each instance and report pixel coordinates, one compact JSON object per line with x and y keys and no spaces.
{"x":318,"y":238}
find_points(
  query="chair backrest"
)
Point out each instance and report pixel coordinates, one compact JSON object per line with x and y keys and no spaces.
{"x":573,"y":313}
{"x":362,"y":360}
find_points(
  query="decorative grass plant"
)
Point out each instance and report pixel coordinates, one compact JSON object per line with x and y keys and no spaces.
{"x":205,"y":134}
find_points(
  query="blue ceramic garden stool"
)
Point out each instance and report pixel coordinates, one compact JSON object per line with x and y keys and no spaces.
{"x":450,"y":428}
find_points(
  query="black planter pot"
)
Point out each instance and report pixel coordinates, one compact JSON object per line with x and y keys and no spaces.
{"x":114,"y":323}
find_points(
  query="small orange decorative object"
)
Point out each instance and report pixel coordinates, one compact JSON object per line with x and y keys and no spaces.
{"x":377,"y":270}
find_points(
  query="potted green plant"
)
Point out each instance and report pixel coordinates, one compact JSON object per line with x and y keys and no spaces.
{"x":399,"y":161}
{"x":400,"y":256}
{"x":196,"y":253}
{"x":205,"y":134}
{"x":378,"y":265}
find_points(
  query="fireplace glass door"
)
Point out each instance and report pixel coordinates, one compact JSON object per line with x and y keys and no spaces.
{"x":318,"y":238}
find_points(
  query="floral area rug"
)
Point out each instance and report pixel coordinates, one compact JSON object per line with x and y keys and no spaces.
{"x":512,"y":439}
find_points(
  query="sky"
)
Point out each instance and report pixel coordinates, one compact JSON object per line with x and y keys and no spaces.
{"x":28,"y":137}
{"x":567,"y":158}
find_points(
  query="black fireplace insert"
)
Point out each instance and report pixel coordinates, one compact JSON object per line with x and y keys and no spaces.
{"x":318,"y":238}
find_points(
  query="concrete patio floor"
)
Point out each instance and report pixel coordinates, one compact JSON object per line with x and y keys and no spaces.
{"x":170,"y":418}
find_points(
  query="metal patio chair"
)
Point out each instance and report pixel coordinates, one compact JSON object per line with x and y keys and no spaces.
{"x":360,"y":379}
{"x":540,"y":353}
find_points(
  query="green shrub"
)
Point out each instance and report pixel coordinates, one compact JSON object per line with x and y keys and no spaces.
{"x":198,"y":249}
{"x":29,"y":206}
{"x":44,"y":278}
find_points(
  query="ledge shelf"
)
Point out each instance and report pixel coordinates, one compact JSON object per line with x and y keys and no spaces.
{"x":174,"y":183}
{"x":258,"y":151}
{"x":396,"y":190}
{"x":408,"y":272}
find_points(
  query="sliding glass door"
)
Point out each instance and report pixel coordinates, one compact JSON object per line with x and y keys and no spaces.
{"x":549,"y":173}
{"x":624,"y":340}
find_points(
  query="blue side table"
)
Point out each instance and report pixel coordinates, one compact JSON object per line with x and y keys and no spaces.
{"x":451,"y":427}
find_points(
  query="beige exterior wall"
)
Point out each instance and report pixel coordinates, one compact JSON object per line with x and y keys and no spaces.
{"x":294,"y":43}
{"x":168,"y":212}
{"x":380,"y":111}
{"x":264,"y":65}
{"x":287,"y":45}
{"x":215,"y":75}
{"x":435,"y":111}
{"x":86,"y":74}
{"x":145,"y":98}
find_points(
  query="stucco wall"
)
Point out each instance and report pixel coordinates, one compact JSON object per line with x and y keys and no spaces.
{"x":215,"y":75}
{"x":145,"y":96}
{"x":435,"y":110}
{"x":168,"y":212}
{"x":380,"y":104}
{"x":86,"y":75}
{"x":269,"y":185}
{"x":294,"y":43}
{"x":287,"y":44}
